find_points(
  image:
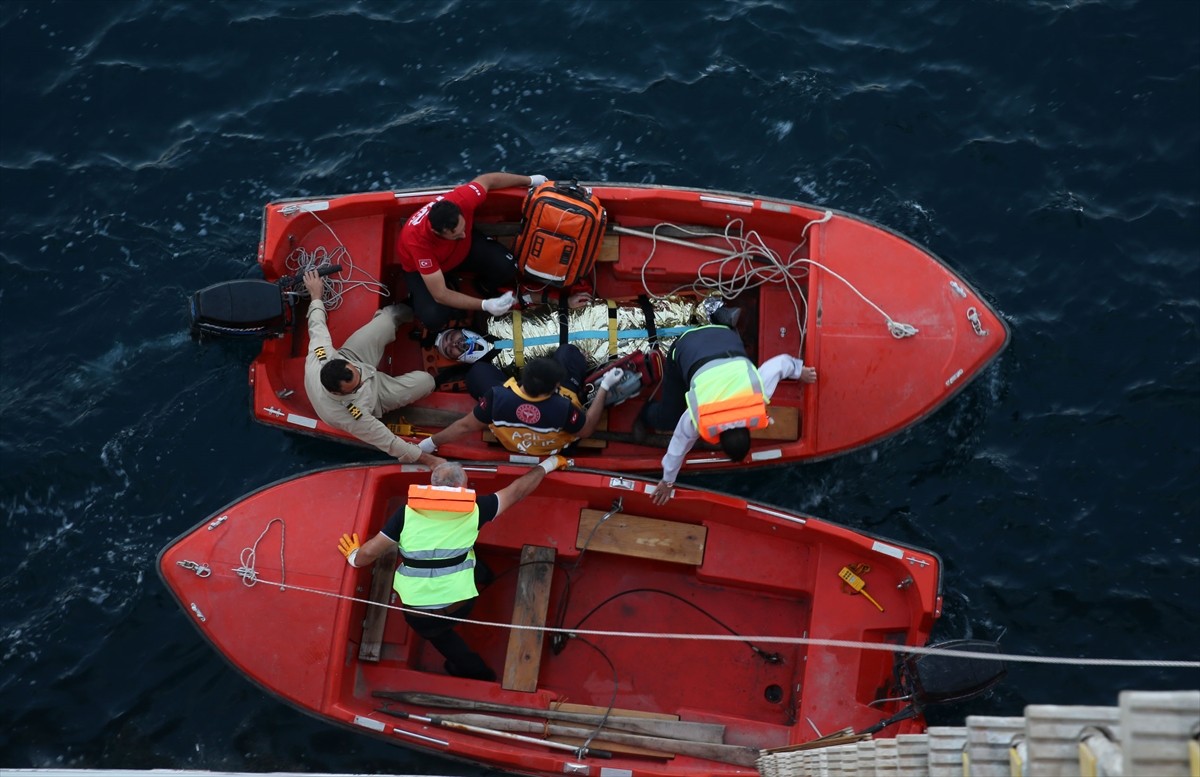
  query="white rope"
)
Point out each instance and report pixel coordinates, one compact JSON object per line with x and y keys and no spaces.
{"x":755,"y":264}
{"x":838,"y":643}
{"x":336,"y":286}
{"x":249,"y":555}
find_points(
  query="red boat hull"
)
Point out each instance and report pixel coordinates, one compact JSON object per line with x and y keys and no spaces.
{"x":852,"y":280}
{"x":654,"y":630}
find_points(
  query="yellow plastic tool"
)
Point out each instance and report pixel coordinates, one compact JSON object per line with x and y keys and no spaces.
{"x":408,"y":430}
{"x":858,"y":584}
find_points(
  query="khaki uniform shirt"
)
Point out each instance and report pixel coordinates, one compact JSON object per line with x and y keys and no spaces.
{"x":357,"y":413}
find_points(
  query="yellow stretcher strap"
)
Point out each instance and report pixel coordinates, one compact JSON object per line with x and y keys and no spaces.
{"x":518,"y":340}
{"x":612,"y":329}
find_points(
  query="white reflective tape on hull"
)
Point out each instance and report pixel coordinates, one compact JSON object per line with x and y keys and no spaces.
{"x":304,"y":207}
{"x":774,"y":453}
{"x":300,"y":420}
{"x":374,"y":725}
{"x":887,"y":550}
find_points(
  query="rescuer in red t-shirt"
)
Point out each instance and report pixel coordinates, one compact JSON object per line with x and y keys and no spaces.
{"x":439,"y":238}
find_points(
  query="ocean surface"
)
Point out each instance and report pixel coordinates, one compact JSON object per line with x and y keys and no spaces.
{"x":1049,"y":151}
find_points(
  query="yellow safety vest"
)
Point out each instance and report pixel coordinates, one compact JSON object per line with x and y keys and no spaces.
{"x":727,"y":394}
{"x":440,"y":528}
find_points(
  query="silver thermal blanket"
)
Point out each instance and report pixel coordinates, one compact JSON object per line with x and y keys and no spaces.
{"x":588,"y":328}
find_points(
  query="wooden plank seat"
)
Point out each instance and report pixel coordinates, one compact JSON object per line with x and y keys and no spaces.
{"x":382,"y":575}
{"x":531,"y":603}
{"x":633,"y":535}
{"x":785,"y":424}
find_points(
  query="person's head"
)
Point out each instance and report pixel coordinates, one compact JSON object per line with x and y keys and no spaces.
{"x":449,"y":475}
{"x":447,"y":220}
{"x":735,"y":443}
{"x":339,"y":376}
{"x":462,"y":345}
{"x":542,"y":376}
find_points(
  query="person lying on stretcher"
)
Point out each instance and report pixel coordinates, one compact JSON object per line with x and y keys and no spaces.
{"x":544,"y":411}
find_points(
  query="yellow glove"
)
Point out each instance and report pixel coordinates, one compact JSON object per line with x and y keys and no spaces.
{"x":349,"y":546}
{"x":551,"y":463}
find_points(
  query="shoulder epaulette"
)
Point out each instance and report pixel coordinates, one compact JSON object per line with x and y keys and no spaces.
{"x":319,"y":351}
{"x":354,"y":411}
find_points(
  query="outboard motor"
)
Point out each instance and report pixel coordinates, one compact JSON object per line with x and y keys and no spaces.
{"x":248,"y":308}
{"x":934,"y":678}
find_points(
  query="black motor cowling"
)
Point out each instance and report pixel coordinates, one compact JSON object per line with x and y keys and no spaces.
{"x":941,"y":678}
{"x":242,"y":308}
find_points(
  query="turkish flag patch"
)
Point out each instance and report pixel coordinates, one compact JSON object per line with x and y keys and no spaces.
{"x":425,"y":264}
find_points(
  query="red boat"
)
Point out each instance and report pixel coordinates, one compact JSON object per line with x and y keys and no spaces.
{"x":702,"y":632}
{"x":892,"y":331}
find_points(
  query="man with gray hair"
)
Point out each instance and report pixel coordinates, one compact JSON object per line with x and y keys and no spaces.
{"x":435,"y":531}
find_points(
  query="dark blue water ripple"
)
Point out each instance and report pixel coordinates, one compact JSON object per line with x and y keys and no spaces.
{"x":1049,"y":151}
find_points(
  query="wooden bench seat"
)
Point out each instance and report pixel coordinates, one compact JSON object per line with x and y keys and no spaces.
{"x":785,"y":424}
{"x":530,"y":605}
{"x":382,"y":576}
{"x":633,"y":535}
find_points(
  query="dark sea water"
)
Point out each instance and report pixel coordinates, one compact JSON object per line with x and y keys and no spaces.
{"x":1049,"y":151}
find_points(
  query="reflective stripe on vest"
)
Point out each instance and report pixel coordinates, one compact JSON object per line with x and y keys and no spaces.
{"x":727,"y":394}
{"x":440,"y":524}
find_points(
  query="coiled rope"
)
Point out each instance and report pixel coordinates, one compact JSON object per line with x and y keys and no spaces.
{"x":750,"y":263}
{"x":249,"y":555}
{"x":337,"y":286}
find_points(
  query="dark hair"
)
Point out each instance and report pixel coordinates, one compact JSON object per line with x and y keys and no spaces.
{"x":541,"y":376}
{"x":736,"y":443}
{"x":444,"y":215}
{"x":335,"y":373}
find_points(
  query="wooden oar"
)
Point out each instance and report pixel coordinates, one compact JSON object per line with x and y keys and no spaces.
{"x":675,"y":729}
{"x":491,"y":732}
{"x":734,"y":754}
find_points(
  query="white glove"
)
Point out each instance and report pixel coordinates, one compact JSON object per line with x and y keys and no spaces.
{"x":498,"y":306}
{"x":537,"y":180}
{"x":611,"y":378}
{"x":427,"y":445}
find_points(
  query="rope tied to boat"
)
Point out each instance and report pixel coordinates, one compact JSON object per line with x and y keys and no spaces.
{"x":249,"y":555}
{"x":757,"y":264}
{"x":765,"y":638}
